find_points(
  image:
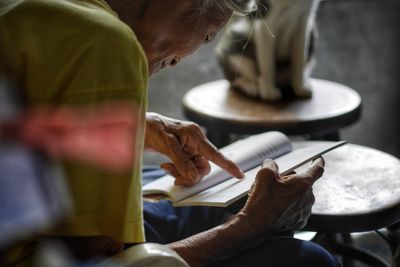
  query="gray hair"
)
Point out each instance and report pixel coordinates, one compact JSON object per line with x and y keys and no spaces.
{"x":242,"y":7}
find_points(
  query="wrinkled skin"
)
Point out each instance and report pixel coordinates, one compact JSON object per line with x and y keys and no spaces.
{"x":188,"y":148}
{"x":275,"y":203}
{"x":282,"y":203}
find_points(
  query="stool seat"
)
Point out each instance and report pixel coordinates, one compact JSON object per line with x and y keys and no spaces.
{"x":223,"y":111}
{"x":359,"y":191}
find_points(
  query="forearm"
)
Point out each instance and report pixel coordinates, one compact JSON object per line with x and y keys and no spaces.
{"x":274,"y":204}
{"x":219,"y":243}
{"x":156,"y":129}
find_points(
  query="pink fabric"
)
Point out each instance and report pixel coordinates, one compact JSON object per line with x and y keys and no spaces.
{"x":103,"y":136}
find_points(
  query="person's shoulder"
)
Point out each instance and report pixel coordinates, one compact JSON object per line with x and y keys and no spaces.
{"x":92,"y":16}
{"x":75,"y":21}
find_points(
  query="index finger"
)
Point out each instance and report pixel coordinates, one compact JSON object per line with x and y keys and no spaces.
{"x":316,"y":170}
{"x":210,"y":152}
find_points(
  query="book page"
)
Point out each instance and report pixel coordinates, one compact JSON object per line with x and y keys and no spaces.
{"x":247,"y":153}
{"x":233,"y":189}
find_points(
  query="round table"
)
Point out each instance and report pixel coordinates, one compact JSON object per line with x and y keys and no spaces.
{"x":223,"y":111}
{"x":359,"y":191}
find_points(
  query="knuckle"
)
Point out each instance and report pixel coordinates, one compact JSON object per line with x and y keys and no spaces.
{"x":312,"y":199}
{"x":266,"y":173}
{"x":207,"y":168}
{"x":303,"y":184}
{"x":318,"y":171}
{"x":302,"y":224}
{"x":194,"y":128}
{"x":169,"y":138}
{"x":184,"y":163}
{"x":307,"y":214}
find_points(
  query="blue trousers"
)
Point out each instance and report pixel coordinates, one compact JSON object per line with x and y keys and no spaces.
{"x":165,"y":224}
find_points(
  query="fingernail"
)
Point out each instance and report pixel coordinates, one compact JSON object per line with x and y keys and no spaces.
{"x":268,"y":163}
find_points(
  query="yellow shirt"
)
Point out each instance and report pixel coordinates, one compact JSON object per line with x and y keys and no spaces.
{"x":78,"y":52}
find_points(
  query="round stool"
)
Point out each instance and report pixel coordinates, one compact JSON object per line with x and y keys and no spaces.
{"x":223,"y":111}
{"x":359,"y":192}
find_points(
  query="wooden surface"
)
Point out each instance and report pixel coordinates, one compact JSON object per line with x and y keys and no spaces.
{"x":222,"y":110}
{"x":359,"y":191}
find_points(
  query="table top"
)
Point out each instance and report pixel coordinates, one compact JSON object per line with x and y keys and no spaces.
{"x":359,"y":191}
{"x":331,"y":107}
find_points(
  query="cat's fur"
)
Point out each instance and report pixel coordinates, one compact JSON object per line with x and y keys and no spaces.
{"x":264,"y":65}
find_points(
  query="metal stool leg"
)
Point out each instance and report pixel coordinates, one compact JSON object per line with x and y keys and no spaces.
{"x":349,"y":252}
{"x":393,"y":239}
{"x":346,"y":238}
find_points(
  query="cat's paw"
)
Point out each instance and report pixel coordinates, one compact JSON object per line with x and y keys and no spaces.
{"x":267,"y":91}
{"x":246,"y":86}
{"x":303,"y":92}
{"x":270,"y":93}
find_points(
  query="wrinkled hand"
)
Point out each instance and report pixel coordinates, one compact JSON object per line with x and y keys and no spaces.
{"x":281,"y":203}
{"x":187,"y":147}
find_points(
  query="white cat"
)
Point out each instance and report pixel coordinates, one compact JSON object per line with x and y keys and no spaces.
{"x":263,"y":55}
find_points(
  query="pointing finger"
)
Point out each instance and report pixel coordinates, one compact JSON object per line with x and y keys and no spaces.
{"x":208,"y":150}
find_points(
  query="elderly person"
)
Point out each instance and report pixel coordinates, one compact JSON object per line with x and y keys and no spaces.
{"x":86,"y":52}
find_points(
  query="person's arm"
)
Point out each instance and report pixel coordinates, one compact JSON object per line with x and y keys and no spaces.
{"x":187,"y":147}
{"x":219,"y":243}
{"x":274,"y":204}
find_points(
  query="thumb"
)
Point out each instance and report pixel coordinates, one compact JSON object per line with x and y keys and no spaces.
{"x":316,"y":170}
{"x":268,"y":169}
{"x":271,"y":164}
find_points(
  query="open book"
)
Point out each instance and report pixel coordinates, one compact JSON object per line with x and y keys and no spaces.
{"x":219,"y":188}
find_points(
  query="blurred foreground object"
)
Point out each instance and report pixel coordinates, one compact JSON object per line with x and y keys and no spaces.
{"x":103,"y":136}
{"x":33,"y":196}
{"x":147,"y":254}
